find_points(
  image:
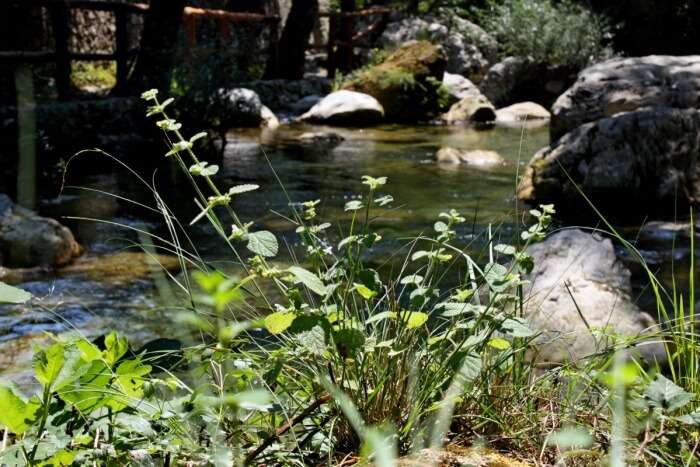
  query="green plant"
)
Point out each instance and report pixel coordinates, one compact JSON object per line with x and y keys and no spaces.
{"x":554,"y":33}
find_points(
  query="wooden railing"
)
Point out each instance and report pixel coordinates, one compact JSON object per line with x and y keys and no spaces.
{"x":59,"y":13}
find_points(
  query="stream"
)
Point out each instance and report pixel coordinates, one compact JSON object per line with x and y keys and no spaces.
{"x":129,"y":300}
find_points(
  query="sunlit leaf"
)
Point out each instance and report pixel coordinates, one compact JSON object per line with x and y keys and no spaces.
{"x":263,"y":243}
{"x":309,"y":279}
{"x":9,"y":294}
{"x":277,"y":323}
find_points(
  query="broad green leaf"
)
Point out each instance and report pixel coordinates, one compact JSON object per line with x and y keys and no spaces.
{"x":252,"y":400}
{"x":517,"y":327}
{"x":471,"y":367}
{"x":16,"y":413}
{"x":364,"y":292}
{"x":414,"y":279}
{"x":505,"y":249}
{"x":452,"y":309}
{"x":381,"y":317}
{"x":88,"y":393}
{"x":414,"y":319}
{"x":9,"y":294}
{"x":263,"y":243}
{"x":237,"y":190}
{"x":277,"y":323}
{"x":499,"y":343}
{"x":59,"y":365}
{"x":690,"y":419}
{"x":309,"y":279}
{"x":115,"y":348}
{"x":666,"y":395}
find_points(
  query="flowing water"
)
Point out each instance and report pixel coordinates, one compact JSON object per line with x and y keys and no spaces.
{"x":141,"y":308}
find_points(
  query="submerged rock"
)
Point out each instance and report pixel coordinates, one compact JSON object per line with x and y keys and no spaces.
{"x":29,"y":240}
{"x":408,"y":83}
{"x":642,"y":162}
{"x":322,"y":139}
{"x":476,"y":158}
{"x":469,"y":49}
{"x":625,"y":84}
{"x":122,"y":267}
{"x":346,"y":108}
{"x":474,"y":108}
{"x":574,"y":272}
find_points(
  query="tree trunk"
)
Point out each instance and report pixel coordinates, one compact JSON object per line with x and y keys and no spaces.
{"x":156,"y":58}
{"x":294,"y":41}
{"x":347,"y":30}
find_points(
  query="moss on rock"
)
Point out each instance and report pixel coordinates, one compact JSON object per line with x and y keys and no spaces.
{"x":408,"y":83}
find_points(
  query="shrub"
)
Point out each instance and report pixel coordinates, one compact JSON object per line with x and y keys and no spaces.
{"x":556,"y":33}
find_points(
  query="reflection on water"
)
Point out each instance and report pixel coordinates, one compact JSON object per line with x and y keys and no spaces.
{"x":421,"y":189}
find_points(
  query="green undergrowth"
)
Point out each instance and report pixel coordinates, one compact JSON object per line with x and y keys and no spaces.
{"x":329,"y":359}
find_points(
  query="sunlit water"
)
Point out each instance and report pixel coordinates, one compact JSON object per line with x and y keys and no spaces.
{"x":421,"y":189}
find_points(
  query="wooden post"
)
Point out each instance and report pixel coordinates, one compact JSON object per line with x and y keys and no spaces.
{"x":60,"y":16}
{"x":273,"y":52}
{"x":122,"y":48}
{"x":347,"y":28}
{"x":331,"y":63}
{"x":26,"y":137}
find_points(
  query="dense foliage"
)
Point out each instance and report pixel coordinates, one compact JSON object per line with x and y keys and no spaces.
{"x":556,"y":33}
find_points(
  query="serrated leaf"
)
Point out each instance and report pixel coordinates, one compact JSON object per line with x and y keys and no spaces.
{"x":59,"y":365}
{"x":309,"y":279}
{"x":16,"y":413}
{"x":278,"y":322}
{"x":9,"y":294}
{"x":505,"y":249}
{"x":238,"y":189}
{"x":666,"y":395}
{"x":263,"y":243}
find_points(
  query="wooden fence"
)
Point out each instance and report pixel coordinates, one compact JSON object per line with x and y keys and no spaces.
{"x":59,"y":14}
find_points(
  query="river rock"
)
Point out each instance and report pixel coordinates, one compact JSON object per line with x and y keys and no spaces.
{"x":626,"y":84}
{"x":578,"y":271}
{"x":29,"y":240}
{"x":641,"y":162}
{"x":518,"y":79}
{"x":346,"y":108}
{"x":459,"y":87}
{"x":238,"y":107}
{"x":407,"y":83}
{"x":474,"y":108}
{"x":469,"y":49}
{"x":476,"y":158}
{"x":268,"y":119}
{"x":529,"y":114}
{"x":328,"y":138}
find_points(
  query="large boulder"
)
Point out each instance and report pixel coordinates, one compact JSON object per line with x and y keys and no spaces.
{"x":528,"y":114}
{"x":408,"y":83}
{"x":625,"y":84}
{"x":458,"y":87}
{"x":579,"y":298}
{"x":238,"y":107}
{"x":29,"y":240}
{"x":518,"y":79}
{"x":636,"y":163}
{"x":470,"y":50}
{"x":346,"y":108}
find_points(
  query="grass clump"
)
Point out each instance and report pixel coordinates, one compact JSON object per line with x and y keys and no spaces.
{"x":555,"y":33}
{"x":336,"y":357}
